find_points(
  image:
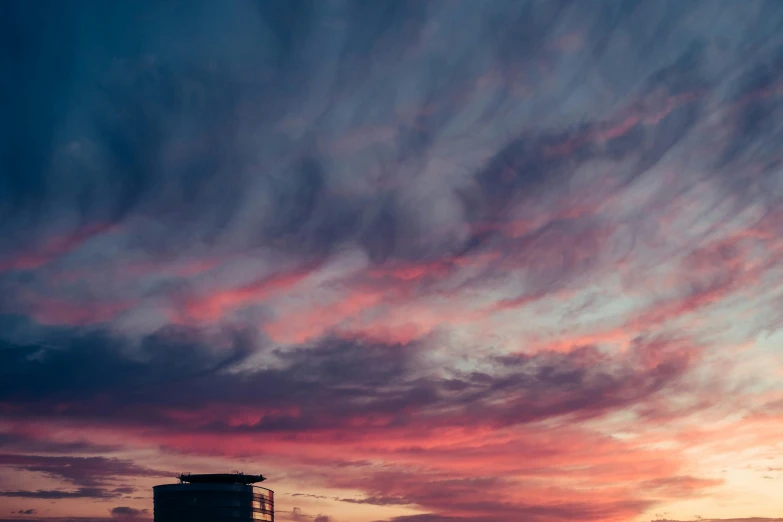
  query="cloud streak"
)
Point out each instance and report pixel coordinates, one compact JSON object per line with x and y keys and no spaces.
{"x":400,"y":254}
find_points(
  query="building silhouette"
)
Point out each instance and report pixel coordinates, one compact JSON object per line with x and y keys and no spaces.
{"x":214,"y":498}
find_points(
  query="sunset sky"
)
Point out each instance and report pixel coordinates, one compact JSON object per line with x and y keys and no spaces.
{"x":413,"y":261}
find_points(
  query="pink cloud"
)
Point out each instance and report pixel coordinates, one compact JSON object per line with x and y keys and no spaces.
{"x":53,"y":248}
{"x":215,"y":305}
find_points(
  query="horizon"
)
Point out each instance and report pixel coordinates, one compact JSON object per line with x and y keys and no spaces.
{"x":414,"y":261}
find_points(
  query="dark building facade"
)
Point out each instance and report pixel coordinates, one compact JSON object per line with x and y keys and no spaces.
{"x":214,"y":498}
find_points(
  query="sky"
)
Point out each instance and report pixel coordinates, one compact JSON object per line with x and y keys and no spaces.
{"x":413,"y":261}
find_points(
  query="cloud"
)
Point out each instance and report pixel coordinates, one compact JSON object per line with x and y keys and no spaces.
{"x":328,"y":384}
{"x":144,"y":141}
{"x":509,"y":245}
{"x":28,"y":443}
{"x":94,"y":493}
{"x":749,"y":519}
{"x":127,"y":512}
{"x":377,"y":501}
{"x":564,"y":511}
{"x":381,"y":399}
{"x":92,"y":476}
{"x":64,"y":519}
{"x":298,"y":516}
{"x":449,"y":498}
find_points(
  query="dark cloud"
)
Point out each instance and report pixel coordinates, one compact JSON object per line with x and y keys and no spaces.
{"x":127,"y":512}
{"x":93,"y":493}
{"x":155,"y":171}
{"x":24,"y":444}
{"x":86,"y":472}
{"x":82,"y":365}
{"x":377,"y":501}
{"x":136,"y":151}
{"x":26,"y":512}
{"x":139,"y":148}
{"x":297,"y":515}
{"x":331,"y":381}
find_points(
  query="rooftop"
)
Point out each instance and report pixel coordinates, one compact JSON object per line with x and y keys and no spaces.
{"x":221,"y":478}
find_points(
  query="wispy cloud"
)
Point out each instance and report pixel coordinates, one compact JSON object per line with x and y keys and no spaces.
{"x":401,"y":253}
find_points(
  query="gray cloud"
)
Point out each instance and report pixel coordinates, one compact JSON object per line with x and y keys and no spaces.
{"x":92,"y":476}
{"x":332,"y":380}
{"x":139,"y":142}
{"x":377,"y":501}
{"x":254,"y":185}
{"x":128,"y":512}
{"x":94,"y":493}
{"x":22,"y":444}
